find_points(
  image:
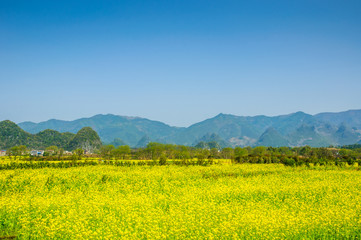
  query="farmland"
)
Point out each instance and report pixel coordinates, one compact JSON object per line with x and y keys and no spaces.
{"x":181,"y":202}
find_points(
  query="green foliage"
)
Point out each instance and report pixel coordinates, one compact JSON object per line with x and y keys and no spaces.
{"x":259,"y":151}
{"x":78,"y":153}
{"x":241,"y":155}
{"x":60,"y":153}
{"x":240,"y":152}
{"x":155,"y":150}
{"x":11,"y":135}
{"x":353,"y":146}
{"x":51,"y":151}
{"x":289,"y":162}
{"x":214,"y":153}
{"x":106,"y":151}
{"x":86,"y":139}
{"x":163,"y":153}
{"x":49,"y":138}
{"x":17,"y":151}
{"x":227,"y":153}
{"x":123,"y":151}
{"x":162,"y":160}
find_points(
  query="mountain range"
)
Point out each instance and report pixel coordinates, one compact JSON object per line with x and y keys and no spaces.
{"x":296,"y":129}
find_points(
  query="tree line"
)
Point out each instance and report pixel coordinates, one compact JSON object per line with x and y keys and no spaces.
{"x":163,"y":152}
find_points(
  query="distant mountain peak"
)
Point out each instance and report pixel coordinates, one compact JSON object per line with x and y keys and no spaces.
{"x":109,"y":115}
{"x":299,"y":114}
{"x":221,"y":115}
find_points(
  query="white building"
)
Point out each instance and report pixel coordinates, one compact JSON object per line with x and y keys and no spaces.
{"x":37,"y":152}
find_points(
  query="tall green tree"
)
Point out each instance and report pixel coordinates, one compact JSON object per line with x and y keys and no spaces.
{"x":17,"y":151}
{"x":52,"y":150}
{"x":60,"y":153}
{"x":227,"y":153}
{"x":78,"y":153}
{"x":106,"y":151}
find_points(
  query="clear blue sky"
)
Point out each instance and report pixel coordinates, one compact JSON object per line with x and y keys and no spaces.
{"x":180,"y":61}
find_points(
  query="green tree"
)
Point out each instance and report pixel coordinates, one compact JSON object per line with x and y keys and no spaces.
{"x":60,"y":153}
{"x":214,"y":153}
{"x":227,"y":153}
{"x":78,"y":153}
{"x":124,"y":151}
{"x":52,"y":150}
{"x":121,"y":152}
{"x":163,"y":159}
{"x":13,"y":152}
{"x":305,"y":151}
{"x":106,"y":151}
{"x":17,"y":151}
{"x":182,"y":152}
{"x":202,"y":154}
{"x":285,"y":150}
{"x":169,"y":150}
{"x":23,"y":150}
{"x":259,"y":151}
{"x":240,"y":154}
{"x":155,"y":150}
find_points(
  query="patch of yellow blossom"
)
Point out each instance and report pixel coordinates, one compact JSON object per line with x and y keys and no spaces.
{"x":175,"y":202}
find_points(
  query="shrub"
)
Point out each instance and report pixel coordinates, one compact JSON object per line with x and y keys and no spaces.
{"x":289,"y":162}
{"x":162,"y":160}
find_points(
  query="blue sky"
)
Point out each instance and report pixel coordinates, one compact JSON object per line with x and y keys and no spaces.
{"x":179,"y":62}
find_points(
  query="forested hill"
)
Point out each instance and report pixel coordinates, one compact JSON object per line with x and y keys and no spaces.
{"x":296,"y":129}
{"x":12,"y":135}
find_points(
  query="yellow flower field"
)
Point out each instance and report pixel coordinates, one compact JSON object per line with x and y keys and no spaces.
{"x":177,"y":202}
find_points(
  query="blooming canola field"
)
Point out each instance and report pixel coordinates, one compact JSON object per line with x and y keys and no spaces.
{"x":229,"y":201}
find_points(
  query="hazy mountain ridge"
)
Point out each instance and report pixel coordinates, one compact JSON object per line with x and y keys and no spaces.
{"x":294,"y":129}
{"x":350,"y":117}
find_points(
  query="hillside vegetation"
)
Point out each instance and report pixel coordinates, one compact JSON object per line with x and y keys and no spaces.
{"x":12,"y":135}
